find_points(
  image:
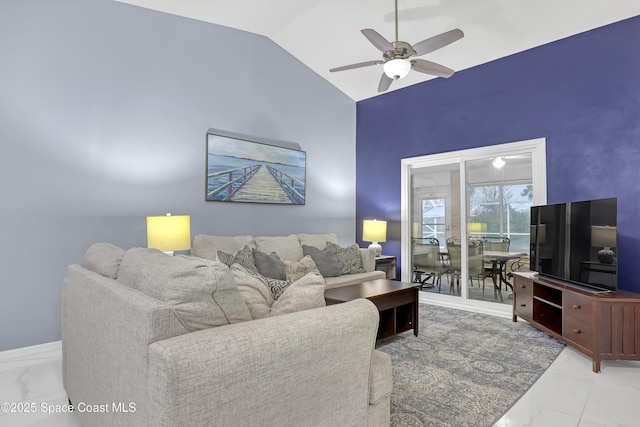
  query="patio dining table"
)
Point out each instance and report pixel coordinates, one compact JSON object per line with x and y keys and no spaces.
{"x":498,"y":262}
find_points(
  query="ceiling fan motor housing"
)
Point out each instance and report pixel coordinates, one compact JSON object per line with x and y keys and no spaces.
{"x":402,"y":50}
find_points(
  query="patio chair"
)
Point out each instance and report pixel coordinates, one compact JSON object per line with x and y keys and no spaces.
{"x":428,"y":261}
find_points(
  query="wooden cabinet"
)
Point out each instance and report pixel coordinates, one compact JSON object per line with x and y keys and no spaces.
{"x":604,"y":326}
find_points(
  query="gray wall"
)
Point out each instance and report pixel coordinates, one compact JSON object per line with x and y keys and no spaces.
{"x":103,"y":113}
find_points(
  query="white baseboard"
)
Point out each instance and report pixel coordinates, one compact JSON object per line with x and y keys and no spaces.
{"x":33,"y":351}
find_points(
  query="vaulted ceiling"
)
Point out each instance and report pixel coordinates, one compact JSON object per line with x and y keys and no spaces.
{"x":325,"y":34}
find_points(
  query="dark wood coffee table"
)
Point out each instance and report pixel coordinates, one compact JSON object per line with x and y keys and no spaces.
{"x":396,"y":301}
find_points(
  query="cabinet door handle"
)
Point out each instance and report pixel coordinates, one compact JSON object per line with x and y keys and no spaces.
{"x":523,"y":286}
{"x":523,"y":305}
{"x":576,"y":306}
{"x":576,"y":331}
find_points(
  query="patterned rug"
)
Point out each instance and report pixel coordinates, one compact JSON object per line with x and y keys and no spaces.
{"x":464,"y":369}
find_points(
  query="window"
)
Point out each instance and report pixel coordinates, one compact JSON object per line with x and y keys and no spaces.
{"x":433,"y":220}
{"x":503,"y":210}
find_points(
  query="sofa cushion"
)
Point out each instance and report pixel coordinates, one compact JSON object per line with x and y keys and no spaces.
{"x":349,"y":259}
{"x":287,"y":247}
{"x":104,"y":259}
{"x":302,"y":294}
{"x":317,"y":240}
{"x":298,"y":269}
{"x":201,"y":292}
{"x":326,"y":259}
{"x":244,"y":257}
{"x":269,"y":265}
{"x":368,"y":259}
{"x":205,"y":246}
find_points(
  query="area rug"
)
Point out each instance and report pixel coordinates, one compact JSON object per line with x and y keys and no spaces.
{"x":464,"y":368}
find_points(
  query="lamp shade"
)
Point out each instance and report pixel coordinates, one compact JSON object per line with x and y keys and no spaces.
{"x":374,"y":231}
{"x":476,"y":227}
{"x":169,"y":233}
{"x":603,"y":237}
{"x":397,"y":68}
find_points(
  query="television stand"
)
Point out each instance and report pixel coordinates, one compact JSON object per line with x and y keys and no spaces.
{"x":604,"y":326}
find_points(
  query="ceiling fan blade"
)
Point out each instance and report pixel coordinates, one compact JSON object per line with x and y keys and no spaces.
{"x":431,"y":68}
{"x":436,"y":42}
{"x":385,"y":82}
{"x":377,"y":40}
{"x":358,"y":65}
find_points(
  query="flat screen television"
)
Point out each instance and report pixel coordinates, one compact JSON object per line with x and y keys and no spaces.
{"x":575,"y":242}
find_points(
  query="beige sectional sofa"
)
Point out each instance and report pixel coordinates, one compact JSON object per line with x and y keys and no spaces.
{"x":288,"y":248}
{"x":154,"y":340}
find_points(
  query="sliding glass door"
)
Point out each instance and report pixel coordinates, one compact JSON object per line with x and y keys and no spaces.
{"x":435,"y":216}
{"x":466,"y":216}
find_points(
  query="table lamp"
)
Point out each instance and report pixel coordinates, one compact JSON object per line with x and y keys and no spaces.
{"x":169,"y":233}
{"x":605,"y":238}
{"x":374,"y":231}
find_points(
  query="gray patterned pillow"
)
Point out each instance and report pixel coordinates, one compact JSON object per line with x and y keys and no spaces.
{"x":244,"y":257}
{"x":298,"y":269}
{"x":349,"y":259}
{"x":277,"y":286}
{"x":257,"y":291}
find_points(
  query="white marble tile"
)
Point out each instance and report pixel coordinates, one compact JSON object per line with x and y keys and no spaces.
{"x":33,"y":377}
{"x":561,"y":393}
{"x":572,"y":363}
{"x":537,"y":416}
{"x":28,"y":382}
{"x":610,"y":406}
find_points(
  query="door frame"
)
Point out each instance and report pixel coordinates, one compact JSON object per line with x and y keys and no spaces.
{"x":536,"y":147}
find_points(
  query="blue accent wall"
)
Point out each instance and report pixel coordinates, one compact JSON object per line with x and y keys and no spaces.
{"x":581,"y":93}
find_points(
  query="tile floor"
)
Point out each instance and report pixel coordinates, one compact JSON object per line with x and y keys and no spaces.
{"x":568,"y":394}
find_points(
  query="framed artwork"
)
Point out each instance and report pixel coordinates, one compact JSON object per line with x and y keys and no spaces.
{"x":241,"y":170}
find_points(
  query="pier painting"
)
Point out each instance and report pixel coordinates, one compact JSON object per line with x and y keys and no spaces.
{"x":239,"y":170}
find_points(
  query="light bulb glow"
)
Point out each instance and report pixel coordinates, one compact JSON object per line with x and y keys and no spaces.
{"x":397,"y":68}
{"x":498,"y":163}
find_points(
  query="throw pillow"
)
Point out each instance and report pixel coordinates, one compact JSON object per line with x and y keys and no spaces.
{"x":326,"y":259}
{"x":349,"y":259}
{"x":201,"y":292}
{"x":258,"y":292}
{"x":298,"y":269}
{"x":244,"y":257}
{"x":303,"y":294}
{"x":104,"y":259}
{"x":269,"y":265}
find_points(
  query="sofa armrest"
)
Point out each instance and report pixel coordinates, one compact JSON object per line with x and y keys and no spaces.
{"x":106,"y":331}
{"x":368,"y":259}
{"x":305,"y":368}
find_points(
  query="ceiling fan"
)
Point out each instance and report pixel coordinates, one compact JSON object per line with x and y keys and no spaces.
{"x":396,"y":56}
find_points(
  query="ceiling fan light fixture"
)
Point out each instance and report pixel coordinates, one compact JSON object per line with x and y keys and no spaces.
{"x":397,"y":68}
{"x":498,"y":163}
